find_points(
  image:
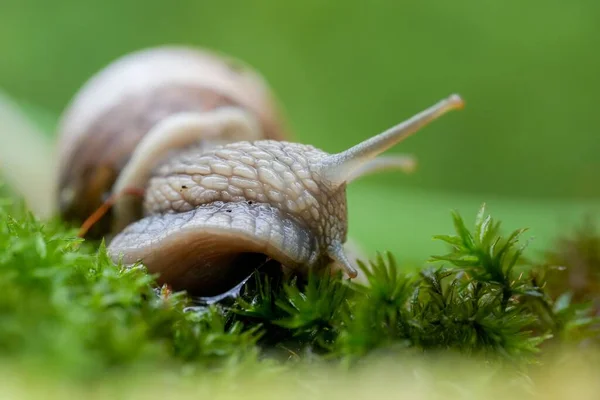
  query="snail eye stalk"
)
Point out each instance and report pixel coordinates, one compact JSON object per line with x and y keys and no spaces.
{"x":342,"y":167}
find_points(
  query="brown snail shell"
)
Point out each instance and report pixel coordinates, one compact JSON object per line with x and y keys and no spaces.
{"x":116,"y":108}
{"x":225,"y":189}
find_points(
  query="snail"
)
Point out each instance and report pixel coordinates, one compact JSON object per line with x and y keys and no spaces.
{"x":205,"y":180}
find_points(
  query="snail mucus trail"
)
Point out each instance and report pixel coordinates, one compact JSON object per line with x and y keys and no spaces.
{"x":223,"y":187}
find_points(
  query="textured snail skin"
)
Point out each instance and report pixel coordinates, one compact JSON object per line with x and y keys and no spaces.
{"x":268,"y":172}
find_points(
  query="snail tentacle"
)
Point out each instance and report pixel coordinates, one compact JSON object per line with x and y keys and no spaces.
{"x":338,"y":255}
{"x":337,"y":168}
{"x":405,"y":162}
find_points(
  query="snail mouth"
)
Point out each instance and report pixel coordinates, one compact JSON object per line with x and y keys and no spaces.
{"x":211,"y":249}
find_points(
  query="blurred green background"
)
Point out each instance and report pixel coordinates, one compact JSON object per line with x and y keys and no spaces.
{"x":527,"y":142}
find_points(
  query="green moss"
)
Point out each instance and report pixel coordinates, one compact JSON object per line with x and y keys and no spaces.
{"x":64,"y":304}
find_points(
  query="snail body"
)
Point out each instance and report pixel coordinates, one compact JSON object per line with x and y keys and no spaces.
{"x":224,"y":187}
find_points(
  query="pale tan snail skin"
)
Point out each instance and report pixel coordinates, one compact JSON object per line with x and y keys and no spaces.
{"x":225,"y":187}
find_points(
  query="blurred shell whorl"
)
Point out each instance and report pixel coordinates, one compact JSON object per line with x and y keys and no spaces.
{"x":118,"y":106}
